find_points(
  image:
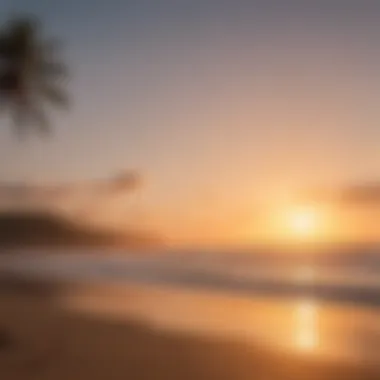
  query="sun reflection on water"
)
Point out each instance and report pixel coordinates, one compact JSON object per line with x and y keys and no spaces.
{"x":306,"y":326}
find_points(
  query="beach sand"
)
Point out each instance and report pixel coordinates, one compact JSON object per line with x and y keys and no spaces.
{"x":39,"y":340}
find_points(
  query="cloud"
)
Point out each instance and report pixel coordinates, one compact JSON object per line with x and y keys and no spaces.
{"x":124,"y":181}
{"x":25,"y":195}
{"x":361,"y":194}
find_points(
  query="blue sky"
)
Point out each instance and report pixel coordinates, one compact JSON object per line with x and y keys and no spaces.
{"x":215,"y":102}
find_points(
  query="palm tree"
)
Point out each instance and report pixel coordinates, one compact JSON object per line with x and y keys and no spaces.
{"x":30,"y":74}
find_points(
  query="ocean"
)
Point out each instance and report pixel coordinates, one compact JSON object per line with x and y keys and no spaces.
{"x":310,"y":301}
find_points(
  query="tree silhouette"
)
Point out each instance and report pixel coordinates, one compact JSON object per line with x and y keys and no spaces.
{"x":31,"y":75}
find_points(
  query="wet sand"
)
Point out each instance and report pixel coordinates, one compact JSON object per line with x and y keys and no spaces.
{"x":40,"y":339}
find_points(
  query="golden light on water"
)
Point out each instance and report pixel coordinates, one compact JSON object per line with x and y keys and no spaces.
{"x":306,"y":326}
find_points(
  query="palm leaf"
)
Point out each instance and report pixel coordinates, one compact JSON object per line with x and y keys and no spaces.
{"x":50,"y":48}
{"x":19,"y":117}
{"x":55,"y":95}
{"x":52,"y":69}
{"x":41,"y":121}
{"x":29,"y":74}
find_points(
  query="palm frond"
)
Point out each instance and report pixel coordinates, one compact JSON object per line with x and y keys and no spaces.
{"x":21,"y":36}
{"x":4,"y":107}
{"x":29,"y":74}
{"x":41,"y":120}
{"x":4,"y":102}
{"x":49,"y":48}
{"x":55,"y":95}
{"x":53,"y":70}
{"x":19,"y":118}
{"x":3,"y":45}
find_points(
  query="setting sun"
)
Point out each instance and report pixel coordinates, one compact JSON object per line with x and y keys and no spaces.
{"x":303,"y":222}
{"x":295,"y":222}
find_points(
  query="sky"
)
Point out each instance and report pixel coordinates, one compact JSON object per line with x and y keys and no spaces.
{"x":220,"y":105}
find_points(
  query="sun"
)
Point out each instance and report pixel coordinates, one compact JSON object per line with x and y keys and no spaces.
{"x":303,"y":222}
{"x":295,"y":222}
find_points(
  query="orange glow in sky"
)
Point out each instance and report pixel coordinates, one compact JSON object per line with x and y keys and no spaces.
{"x":295,"y":222}
{"x":303,"y":222}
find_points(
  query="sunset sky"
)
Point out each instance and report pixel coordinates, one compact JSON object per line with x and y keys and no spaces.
{"x":219,"y":104}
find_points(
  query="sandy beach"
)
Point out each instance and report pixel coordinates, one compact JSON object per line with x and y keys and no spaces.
{"x":40,"y":339}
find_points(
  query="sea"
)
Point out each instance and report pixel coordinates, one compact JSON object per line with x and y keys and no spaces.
{"x":321,"y":301}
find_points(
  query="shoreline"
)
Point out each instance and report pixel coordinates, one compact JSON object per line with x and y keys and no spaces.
{"x":41,"y":339}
